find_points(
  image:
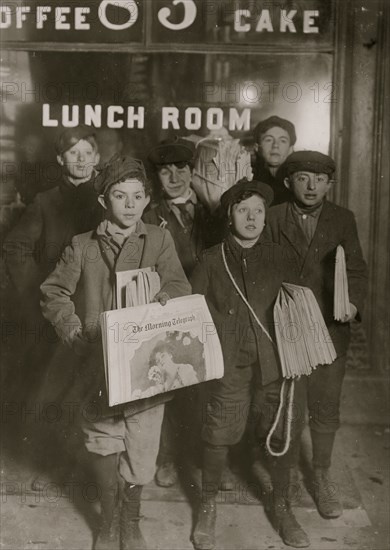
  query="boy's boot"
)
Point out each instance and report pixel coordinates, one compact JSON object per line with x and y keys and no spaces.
{"x":166,"y":474}
{"x":105,"y":469}
{"x":214,"y":460}
{"x":282,"y":515}
{"x":131,"y":537}
{"x":325,"y":491}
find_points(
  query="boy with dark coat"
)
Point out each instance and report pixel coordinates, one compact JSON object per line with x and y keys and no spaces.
{"x":309,"y":228}
{"x":122,"y":441}
{"x":32,"y":249}
{"x":36,"y":243}
{"x":243,"y":315}
{"x":275,"y":138}
{"x":188,"y":221}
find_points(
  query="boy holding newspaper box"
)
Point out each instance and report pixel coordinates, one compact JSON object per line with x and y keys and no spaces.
{"x":122,"y":441}
{"x":310,"y":228}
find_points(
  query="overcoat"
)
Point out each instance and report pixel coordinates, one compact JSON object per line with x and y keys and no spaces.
{"x":32,"y":249}
{"x":262,"y":173}
{"x":259,"y":272}
{"x":316,"y":262}
{"x":48,"y":224}
{"x":82,"y":286}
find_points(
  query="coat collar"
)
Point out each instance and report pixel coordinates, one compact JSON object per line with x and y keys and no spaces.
{"x":295,"y":236}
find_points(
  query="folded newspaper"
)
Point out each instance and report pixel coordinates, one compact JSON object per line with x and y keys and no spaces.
{"x":341,"y":306}
{"x":302,"y":337}
{"x":153,"y":349}
{"x":136,"y":287}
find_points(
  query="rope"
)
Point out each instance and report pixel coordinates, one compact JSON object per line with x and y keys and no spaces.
{"x":291,"y":391}
{"x":277,"y":418}
{"x":243,"y":297}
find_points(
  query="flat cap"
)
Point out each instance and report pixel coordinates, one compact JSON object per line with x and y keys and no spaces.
{"x":273,"y":121}
{"x":118,"y":169}
{"x":230,"y":196}
{"x":310,"y":161}
{"x":71,"y":136}
{"x":171,"y":151}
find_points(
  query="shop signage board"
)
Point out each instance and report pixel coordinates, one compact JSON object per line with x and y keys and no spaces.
{"x":228,"y":22}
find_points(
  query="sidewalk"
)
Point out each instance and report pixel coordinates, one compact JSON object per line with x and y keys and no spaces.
{"x":65,"y":517}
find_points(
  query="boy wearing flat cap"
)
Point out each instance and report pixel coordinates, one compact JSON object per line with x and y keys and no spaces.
{"x":179,"y":211}
{"x":310,"y":228}
{"x":274,"y":140}
{"x":240,"y":279}
{"x":122,"y":441}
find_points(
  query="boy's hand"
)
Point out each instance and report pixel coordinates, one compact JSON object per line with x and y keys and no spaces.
{"x":161,"y":297}
{"x":352,"y":314}
{"x":80,"y":344}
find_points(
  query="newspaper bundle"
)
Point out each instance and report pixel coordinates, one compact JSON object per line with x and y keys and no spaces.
{"x":153,"y":349}
{"x":341,"y":307}
{"x":136,"y":287}
{"x":302,"y":337}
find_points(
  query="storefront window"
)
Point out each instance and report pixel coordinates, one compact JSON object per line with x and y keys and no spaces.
{"x":146,"y":97}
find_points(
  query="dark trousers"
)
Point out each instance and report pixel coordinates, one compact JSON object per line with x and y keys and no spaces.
{"x":240,"y":394}
{"x":181,"y":427}
{"x":323,"y":389}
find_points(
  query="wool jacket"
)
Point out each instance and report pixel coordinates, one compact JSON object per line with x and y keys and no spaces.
{"x":259,"y":272}
{"x":316,"y":262}
{"x":261,"y":173}
{"x":82,"y":286}
{"x":48,"y":224}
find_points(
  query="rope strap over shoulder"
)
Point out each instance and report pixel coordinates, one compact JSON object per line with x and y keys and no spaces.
{"x":243,"y":297}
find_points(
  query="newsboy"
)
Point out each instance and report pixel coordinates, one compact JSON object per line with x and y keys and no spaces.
{"x":309,"y":228}
{"x":275,"y":138}
{"x":122,"y":442}
{"x":188,"y":220}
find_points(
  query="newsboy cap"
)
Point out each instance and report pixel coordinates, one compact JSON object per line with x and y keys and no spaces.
{"x":171,"y":151}
{"x":71,"y":136}
{"x":118,"y":169}
{"x":271,"y":122}
{"x":310,"y":161}
{"x":230,"y":196}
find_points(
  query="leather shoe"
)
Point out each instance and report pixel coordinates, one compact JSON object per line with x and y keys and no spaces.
{"x":166,"y":475}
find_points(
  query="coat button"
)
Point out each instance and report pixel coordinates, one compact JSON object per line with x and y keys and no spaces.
{"x":231,"y":311}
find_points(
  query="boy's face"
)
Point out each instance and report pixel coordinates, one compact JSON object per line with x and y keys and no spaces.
{"x":275,"y":146}
{"x":248,"y":218}
{"x":79,"y":161}
{"x":175,"y":179}
{"x":309,"y":188}
{"x":125,"y":203}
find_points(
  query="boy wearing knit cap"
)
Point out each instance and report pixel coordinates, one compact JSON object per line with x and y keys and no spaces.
{"x":274,"y":140}
{"x":122,"y":441}
{"x":310,"y":228}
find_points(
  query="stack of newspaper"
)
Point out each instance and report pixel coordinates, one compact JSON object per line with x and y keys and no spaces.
{"x":136,"y":287}
{"x":302,"y":337}
{"x":152,"y":349}
{"x":341,"y":306}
